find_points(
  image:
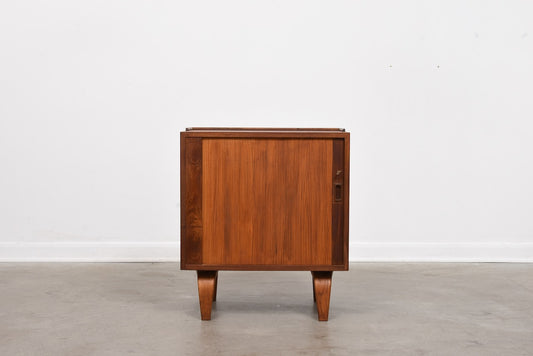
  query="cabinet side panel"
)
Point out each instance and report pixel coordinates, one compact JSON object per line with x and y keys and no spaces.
{"x":267,"y":201}
{"x":192,"y":203}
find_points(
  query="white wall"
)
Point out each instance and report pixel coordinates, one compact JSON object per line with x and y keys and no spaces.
{"x":437,"y":95}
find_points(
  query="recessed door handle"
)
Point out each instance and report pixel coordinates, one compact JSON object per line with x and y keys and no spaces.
{"x":338,"y":191}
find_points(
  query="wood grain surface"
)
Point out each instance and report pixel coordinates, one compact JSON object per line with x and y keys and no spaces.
{"x":338,"y":191}
{"x":267,"y":201}
{"x":191,"y":202}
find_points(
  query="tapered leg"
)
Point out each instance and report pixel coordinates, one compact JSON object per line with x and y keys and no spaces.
{"x":206,"y":292}
{"x":322,"y":292}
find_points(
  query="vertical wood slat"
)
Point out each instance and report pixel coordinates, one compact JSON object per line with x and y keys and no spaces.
{"x":192,"y":231}
{"x":337,"y":211}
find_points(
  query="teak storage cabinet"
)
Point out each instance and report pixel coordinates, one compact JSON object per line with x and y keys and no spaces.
{"x":264,"y":199}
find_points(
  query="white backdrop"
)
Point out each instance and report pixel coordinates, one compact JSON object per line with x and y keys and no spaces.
{"x":437,"y":96}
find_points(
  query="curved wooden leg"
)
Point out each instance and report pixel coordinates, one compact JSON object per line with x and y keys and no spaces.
{"x":206,"y":290}
{"x":322,"y":292}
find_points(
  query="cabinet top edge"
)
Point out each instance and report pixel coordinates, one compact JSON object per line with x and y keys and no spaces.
{"x":265,"y":133}
{"x":263,"y":129}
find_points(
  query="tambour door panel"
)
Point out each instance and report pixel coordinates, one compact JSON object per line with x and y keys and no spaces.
{"x":267,"y":201}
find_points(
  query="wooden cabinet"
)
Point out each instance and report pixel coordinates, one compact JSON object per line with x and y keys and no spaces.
{"x":264,"y":199}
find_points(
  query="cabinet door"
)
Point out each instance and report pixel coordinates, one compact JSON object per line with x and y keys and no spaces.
{"x":264,"y":202}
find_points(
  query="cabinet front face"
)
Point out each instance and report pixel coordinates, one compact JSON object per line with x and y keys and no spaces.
{"x":264,"y":203}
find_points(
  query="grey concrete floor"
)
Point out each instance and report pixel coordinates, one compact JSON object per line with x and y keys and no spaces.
{"x":376,"y":309}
